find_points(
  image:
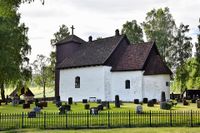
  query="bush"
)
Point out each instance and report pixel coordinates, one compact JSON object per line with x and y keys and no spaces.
{"x":145,"y":100}
{"x":165,"y":105}
{"x":193,"y":100}
{"x":100,"y":107}
{"x":70,"y":100}
{"x":87,"y":106}
{"x":136,"y":101}
{"x":150,"y":103}
{"x":84,"y":101}
{"x":117,"y":102}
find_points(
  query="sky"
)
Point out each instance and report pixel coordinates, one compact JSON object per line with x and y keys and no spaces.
{"x":99,"y":18}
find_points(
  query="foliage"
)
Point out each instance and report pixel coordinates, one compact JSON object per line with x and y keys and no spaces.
{"x":14,"y":46}
{"x":160,"y":27}
{"x":133,"y":31}
{"x":188,"y":76}
{"x":42,"y":72}
{"x":198,"y":44}
{"x":182,"y":46}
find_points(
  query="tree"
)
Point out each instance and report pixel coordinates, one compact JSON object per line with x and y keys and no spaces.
{"x":198,"y":44}
{"x":42,"y":72}
{"x":160,"y":26}
{"x":14,"y":46}
{"x":182,"y":46}
{"x":133,"y":31}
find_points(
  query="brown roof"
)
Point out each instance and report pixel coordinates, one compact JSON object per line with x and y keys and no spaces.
{"x":116,"y":51}
{"x":28,"y":92}
{"x":71,"y":38}
{"x":92,"y":53}
{"x":133,"y":57}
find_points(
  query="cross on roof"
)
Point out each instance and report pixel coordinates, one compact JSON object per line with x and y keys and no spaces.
{"x":72,"y":29}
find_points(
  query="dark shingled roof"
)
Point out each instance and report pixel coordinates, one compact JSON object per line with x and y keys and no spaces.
{"x":27,"y":93}
{"x":133,"y":57}
{"x":122,"y":56}
{"x":92,"y":53}
{"x":71,"y":38}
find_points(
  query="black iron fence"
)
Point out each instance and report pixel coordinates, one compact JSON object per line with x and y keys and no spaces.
{"x":105,"y":119}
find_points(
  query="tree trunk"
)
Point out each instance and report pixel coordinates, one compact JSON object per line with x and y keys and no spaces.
{"x":2,"y":92}
{"x":44,"y":96}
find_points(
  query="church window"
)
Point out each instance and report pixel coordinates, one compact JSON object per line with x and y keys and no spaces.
{"x":167,"y":83}
{"x":127,"y":84}
{"x":77,"y":82}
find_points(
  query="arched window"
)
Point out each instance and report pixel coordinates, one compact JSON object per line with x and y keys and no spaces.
{"x":77,"y":82}
{"x":127,"y":84}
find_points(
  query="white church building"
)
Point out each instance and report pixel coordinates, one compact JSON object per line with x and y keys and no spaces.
{"x":103,"y":68}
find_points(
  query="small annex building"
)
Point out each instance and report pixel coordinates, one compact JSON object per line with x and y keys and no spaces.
{"x":25,"y":92}
{"x":103,"y":68}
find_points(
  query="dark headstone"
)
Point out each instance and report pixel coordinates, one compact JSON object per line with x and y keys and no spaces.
{"x":84,"y":101}
{"x":145,"y":100}
{"x":150,"y":103}
{"x":117,"y":102}
{"x":154,"y":101}
{"x":36,"y":102}
{"x":67,"y":107}
{"x":87,"y":106}
{"x":163,"y":98}
{"x":98,"y":101}
{"x":26,"y":106}
{"x":185,"y":102}
{"x":198,"y":103}
{"x":70,"y":100}
{"x":136,"y":101}
{"x":32,"y":114}
{"x":62,"y":110}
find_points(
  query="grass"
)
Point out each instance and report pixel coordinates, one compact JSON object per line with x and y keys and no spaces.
{"x":119,"y":130}
{"x":79,"y":107}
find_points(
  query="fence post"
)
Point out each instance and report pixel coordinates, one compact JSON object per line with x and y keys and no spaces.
{"x":44,"y":120}
{"x":88,"y":119}
{"x":150,"y":118}
{"x":129,"y":118}
{"x":22,"y":119}
{"x":108,"y":119}
{"x":191,"y":119}
{"x":170,"y":118}
{"x":66,"y":120}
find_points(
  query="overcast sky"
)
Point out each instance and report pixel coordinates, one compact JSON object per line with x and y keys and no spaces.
{"x":98,"y":18}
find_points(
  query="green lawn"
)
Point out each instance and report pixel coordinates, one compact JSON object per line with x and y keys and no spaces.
{"x":79,"y":107}
{"x":118,"y":130}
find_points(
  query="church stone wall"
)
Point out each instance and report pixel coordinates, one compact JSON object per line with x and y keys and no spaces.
{"x":118,"y":85}
{"x":154,"y":84}
{"x":91,"y":83}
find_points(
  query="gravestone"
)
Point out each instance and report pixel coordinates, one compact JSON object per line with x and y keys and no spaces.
{"x":70,"y":100}
{"x":117,"y":102}
{"x":84,"y":101}
{"x":87,"y":106}
{"x":100,"y":107}
{"x":94,"y":111}
{"x":32,"y":114}
{"x":139,"y":109}
{"x":26,"y":106}
{"x":37,"y":109}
